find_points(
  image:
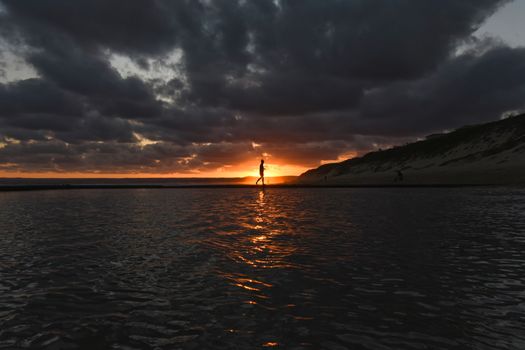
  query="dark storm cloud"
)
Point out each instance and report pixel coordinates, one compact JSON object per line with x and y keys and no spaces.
{"x":37,"y":96}
{"x":368,"y":39}
{"x":137,"y":26}
{"x":92,"y":156}
{"x":471,"y":88}
{"x":92,"y":77}
{"x":290,"y":94}
{"x":308,"y":80}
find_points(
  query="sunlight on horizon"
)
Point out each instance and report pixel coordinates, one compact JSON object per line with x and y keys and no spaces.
{"x":273,"y":173}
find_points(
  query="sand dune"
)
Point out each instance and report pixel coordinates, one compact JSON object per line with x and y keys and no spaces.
{"x":492,"y":153}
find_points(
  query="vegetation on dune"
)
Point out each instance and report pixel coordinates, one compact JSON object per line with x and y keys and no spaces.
{"x":437,"y":145}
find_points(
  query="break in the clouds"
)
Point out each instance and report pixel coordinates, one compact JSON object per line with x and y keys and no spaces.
{"x":164,"y":86}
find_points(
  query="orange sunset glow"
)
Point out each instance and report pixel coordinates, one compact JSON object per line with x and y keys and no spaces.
{"x":273,"y":171}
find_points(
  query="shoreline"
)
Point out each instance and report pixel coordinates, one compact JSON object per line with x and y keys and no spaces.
{"x":23,"y":188}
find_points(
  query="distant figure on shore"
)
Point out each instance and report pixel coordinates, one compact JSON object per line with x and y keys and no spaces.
{"x":399,"y":176}
{"x":261,"y":172}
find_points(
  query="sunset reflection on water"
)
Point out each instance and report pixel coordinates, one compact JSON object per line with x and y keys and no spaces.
{"x":261,"y":243}
{"x":264,"y":244}
{"x":251,"y":269}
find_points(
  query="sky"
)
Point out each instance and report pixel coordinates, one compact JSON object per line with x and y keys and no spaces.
{"x":206,"y":88}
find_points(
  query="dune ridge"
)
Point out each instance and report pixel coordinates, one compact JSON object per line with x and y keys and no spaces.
{"x":491,"y":153}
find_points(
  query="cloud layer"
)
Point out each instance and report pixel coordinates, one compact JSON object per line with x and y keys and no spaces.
{"x":215,"y":83}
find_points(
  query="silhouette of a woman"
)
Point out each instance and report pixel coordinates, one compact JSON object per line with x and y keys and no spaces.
{"x":261,"y":172}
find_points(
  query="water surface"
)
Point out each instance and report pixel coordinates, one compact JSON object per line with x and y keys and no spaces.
{"x":246,"y":269}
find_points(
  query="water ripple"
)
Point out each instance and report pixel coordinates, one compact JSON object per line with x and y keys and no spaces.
{"x":247,"y":269}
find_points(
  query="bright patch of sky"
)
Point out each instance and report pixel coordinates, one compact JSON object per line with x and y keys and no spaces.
{"x":157,"y":70}
{"x":12,"y":66}
{"x":507,"y":24}
{"x":164,"y":69}
{"x":142,"y":141}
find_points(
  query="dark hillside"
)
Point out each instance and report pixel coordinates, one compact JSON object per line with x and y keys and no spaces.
{"x":477,"y":145}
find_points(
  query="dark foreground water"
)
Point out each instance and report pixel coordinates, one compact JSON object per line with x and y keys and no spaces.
{"x":243,"y":269}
